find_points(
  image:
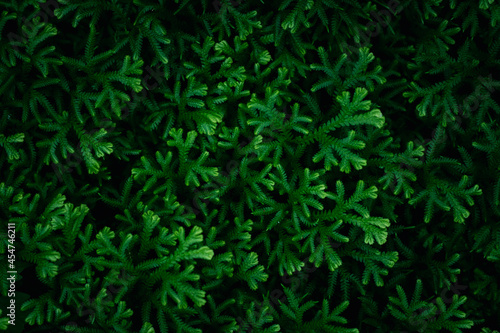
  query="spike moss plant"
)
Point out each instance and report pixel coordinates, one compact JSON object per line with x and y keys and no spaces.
{"x":249,"y":166}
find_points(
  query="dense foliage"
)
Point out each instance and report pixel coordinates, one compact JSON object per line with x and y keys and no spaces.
{"x":250,"y":166}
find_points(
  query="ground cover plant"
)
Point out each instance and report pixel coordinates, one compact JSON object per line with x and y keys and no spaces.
{"x":249,"y":166}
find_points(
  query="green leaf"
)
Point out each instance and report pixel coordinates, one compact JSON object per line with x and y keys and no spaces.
{"x":252,"y":275}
